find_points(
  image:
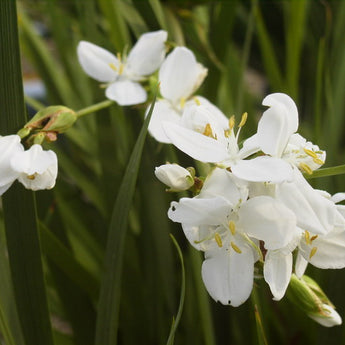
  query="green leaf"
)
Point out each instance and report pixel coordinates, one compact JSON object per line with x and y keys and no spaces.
{"x":182,"y":295}
{"x":109,"y":303}
{"x":19,"y":204}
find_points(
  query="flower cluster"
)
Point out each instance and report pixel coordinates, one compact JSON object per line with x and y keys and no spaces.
{"x":255,"y":211}
{"x":35,"y":168}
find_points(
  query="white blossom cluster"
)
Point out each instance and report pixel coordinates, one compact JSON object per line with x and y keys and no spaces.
{"x":35,"y":168}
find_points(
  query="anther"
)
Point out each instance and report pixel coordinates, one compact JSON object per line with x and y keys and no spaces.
{"x":310,"y":153}
{"x":218,"y":240}
{"x":31,"y":177}
{"x":235,"y":248}
{"x":314,"y":238}
{"x":182,"y":102}
{"x":307,"y":237}
{"x":232,"y":227}
{"x":243,"y":119}
{"x":312,"y":252}
{"x":121,"y":69}
{"x":305,"y":168}
{"x":113,"y":67}
{"x":197,"y":101}
{"x":232,"y":122}
{"x":318,"y":161}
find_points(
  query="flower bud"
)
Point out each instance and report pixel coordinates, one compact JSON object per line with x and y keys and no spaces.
{"x":308,"y":296}
{"x":56,"y":118}
{"x":174,"y":176}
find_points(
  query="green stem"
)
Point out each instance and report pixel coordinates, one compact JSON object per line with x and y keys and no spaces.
{"x":337,"y":170}
{"x":94,"y":107}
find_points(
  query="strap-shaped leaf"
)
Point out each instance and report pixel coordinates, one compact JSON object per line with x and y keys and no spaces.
{"x":109,"y":303}
{"x":19,"y":204}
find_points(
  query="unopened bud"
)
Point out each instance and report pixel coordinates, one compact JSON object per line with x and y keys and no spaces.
{"x":174,"y":176}
{"x":56,"y":118}
{"x":306,"y":294}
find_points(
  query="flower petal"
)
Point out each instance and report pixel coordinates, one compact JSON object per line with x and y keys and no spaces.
{"x":180,"y":75}
{"x":277,"y":272}
{"x":228,"y":275}
{"x":267,"y":219}
{"x":196,"y":145}
{"x":277,"y":123}
{"x":97,"y":61}
{"x":126,"y":92}
{"x":300,"y":265}
{"x":263,"y":169}
{"x":162,"y":112}
{"x":147,"y":54}
{"x":195,"y":211}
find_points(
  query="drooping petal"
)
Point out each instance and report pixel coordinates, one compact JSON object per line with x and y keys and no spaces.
{"x":277,"y":272}
{"x":196,"y":145}
{"x":126,"y":92}
{"x":197,"y":211}
{"x":163,"y":111}
{"x":300,"y":265}
{"x":277,"y":124}
{"x":147,"y":54}
{"x":9,"y":146}
{"x":314,"y":212}
{"x":263,"y":169}
{"x":228,"y":275}
{"x":329,"y":318}
{"x":37,"y":168}
{"x":97,"y":62}
{"x":267,"y":219}
{"x":180,"y":75}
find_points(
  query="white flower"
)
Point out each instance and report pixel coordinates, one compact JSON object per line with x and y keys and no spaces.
{"x":124,"y":73}
{"x":205,"y":134}
{"x":180,"y":76}
{"x":9,"y":146}
{"x":228,"y":227}
{"x":36,"y":169}
{"x":174,"y":176}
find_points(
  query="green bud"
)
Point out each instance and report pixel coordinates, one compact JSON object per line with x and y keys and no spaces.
{"x":56,"y":118}
{"x":38,"y":138}
{"x":24,"y":132}
{"x":306,"y":294}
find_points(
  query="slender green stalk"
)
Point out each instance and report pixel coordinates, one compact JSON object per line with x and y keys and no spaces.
{"x":19,"y":205}
{"x":262,"y":340}
{"x":332,"y":171}
{"x":176,"y":320}
{"x":95,"y":107}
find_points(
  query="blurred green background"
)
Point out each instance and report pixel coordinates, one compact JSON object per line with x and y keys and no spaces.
{"x":251,"y":48}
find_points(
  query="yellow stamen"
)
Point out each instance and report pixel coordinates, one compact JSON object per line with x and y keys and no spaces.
{"x":235,"y":248}
{"x":196,"y":100}
{"x":232,"y":122}
{"x":314,"y":238}
{"x":227,"y":133}
{"x":232,"y":227}
{"x":121,"y":69}
{"x":243,"y":119}
{"x":318,"y":161}
{"x":182,"y":102}
{"x":307,"y":237}
{"x":305,"y":168}
{"x":218,"y":240}
{"x":113,"y":67}
{"x":31,"y":177}
{"x":310,"y":153}
{"x":312,"y":252}
{"x":208,"y":130}
{"x":119,"y":57}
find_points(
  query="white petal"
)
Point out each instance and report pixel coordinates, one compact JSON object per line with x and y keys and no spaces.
{"x":277,"y":124}
{"x":330,"y":250}
{"x":228,"y":275}
{"x":147,"y":54}
{"x":266,"y":219}
{"x":314,"y":212}
{"x":333,"y":318}
{"x":37,"y":168}
{"x":222,"y":183}
{"x":263,"y":169}
{"x":126,"y":92}
{"x":180,"y":75}
{"x":196,"y":145}
{"x":174,"y":176}
{"x":250,"y":146}
{"x":338,"y":197}
{"x":97,"y":61}
{"x":277,"y":272}
{"x":197,"y":211}
{"x":300,"y":265}
{"x":9,"y":146}
{"x":162,"y":112}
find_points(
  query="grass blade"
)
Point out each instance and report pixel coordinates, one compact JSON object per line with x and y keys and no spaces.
{"x":109,"y":303}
